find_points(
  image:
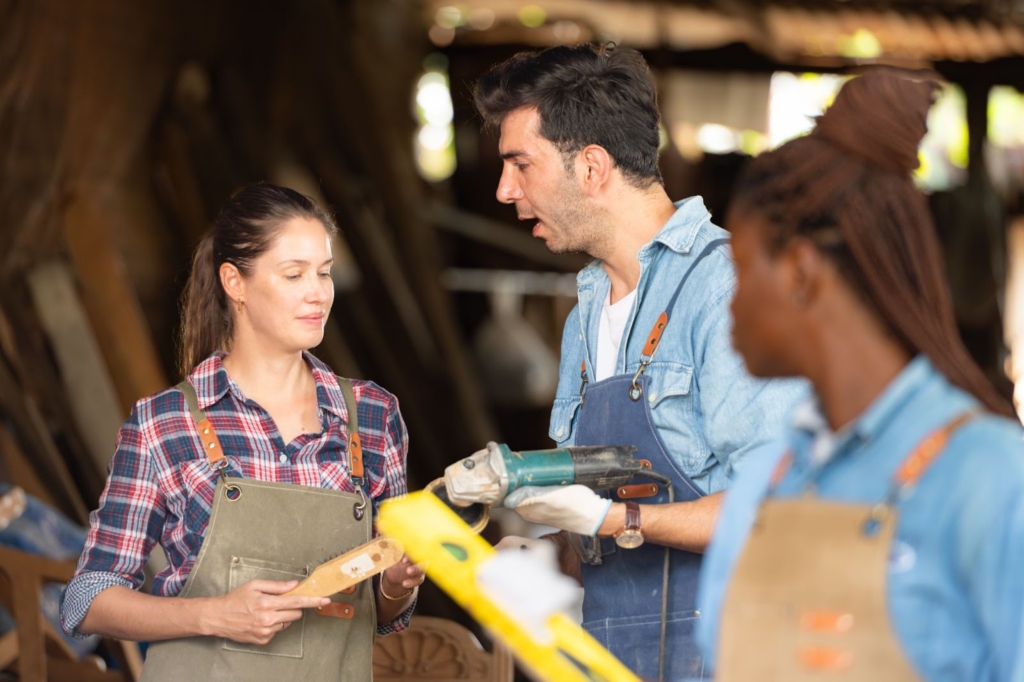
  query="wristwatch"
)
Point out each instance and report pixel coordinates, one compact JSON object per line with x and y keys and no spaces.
{"x":630,"y":537}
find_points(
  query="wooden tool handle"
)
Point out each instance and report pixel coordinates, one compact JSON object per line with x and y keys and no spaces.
{"x":352,"y":567}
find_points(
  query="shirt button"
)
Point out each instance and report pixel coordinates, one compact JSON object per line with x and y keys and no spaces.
{"x":283,"y":458}
{"x":559,"y":432}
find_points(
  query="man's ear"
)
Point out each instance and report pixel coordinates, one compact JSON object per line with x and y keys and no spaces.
{"x":233,"y":282}
{"x":594,"y":166}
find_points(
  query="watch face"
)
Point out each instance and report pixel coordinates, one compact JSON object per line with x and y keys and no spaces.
{"x":629,"y":539}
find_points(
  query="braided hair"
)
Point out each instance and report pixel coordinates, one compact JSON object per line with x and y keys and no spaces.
{"x":847,"y":187}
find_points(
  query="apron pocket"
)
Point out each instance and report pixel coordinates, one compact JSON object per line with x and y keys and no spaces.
{"x":634,"y":640}
{"x":288,"y":642}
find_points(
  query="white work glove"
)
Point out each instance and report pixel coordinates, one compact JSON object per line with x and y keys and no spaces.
{"x":575,"y":508}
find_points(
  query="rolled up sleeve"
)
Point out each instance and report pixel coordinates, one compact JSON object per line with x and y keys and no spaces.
{"x":122,"y":531}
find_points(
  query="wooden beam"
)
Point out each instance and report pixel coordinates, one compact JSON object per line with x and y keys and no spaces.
{"x":31,"y":429}
{"x":17,"y":471}
{"x":499,"y":235}
{"x":111,"y":302}
{"x":94,"y":402}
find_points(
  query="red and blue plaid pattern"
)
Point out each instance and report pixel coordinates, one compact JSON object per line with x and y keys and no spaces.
{"x":160,"y":488}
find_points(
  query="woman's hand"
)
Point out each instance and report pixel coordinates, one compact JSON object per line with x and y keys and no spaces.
{"x":402,"y":578}
{"x":256,"y":611}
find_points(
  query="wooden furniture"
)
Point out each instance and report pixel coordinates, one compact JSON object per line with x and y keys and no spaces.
{"x":34,"y":646}
{"x":438,"y":649}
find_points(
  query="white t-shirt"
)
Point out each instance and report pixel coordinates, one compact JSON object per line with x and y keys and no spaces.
{"x":609,"y":333}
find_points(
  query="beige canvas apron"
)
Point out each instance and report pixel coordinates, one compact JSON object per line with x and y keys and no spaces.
{"x":276,"y":531}
{"x":807,"y":599}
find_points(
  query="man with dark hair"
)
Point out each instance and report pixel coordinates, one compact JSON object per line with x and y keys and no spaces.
{"x":646,"y":355}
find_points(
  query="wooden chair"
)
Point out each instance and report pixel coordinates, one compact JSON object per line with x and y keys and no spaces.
{"x":34,"y":646}
{"x":438,"y":649}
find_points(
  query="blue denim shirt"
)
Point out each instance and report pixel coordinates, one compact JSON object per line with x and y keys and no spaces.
{"x":956,"y":570}
{"x":707,"y":409}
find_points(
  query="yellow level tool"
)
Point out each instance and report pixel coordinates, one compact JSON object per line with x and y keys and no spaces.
{"x":432,"y":534}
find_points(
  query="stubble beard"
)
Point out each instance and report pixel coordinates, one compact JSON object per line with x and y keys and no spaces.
{"x":577,"y":232}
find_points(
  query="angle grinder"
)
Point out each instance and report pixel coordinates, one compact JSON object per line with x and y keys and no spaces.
{"x":474,"y":484}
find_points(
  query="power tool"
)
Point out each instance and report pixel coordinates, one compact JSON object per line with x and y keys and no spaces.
{"x":472,"y":485}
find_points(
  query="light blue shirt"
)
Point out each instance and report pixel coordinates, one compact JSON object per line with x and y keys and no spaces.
{"x":956,"y":568}
{"x":708,"y":411}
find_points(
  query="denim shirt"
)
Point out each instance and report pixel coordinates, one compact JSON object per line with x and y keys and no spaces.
{"x":955,"y":583}
{"x":708,"y":411}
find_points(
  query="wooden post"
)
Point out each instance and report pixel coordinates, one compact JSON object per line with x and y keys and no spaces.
{"x":93,"y":400}
{"x":110,"y":300}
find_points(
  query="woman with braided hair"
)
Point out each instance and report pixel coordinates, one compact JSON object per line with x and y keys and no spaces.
{"x":883,"y":537}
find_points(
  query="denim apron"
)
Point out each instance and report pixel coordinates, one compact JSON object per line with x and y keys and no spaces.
{"x":622,"y":599}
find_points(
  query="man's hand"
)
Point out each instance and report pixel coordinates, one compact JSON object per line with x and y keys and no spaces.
{"x":575,"y":508}
{"x":256,"y":611}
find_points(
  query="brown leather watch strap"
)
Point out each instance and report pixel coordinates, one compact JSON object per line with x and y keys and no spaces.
{"x":632,"y":516}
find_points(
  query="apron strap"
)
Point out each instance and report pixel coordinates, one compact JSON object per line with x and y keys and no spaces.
{"x":355,"y":445}
{"x":911,"y":468}
{"x":654,"y":338}
{"x":211,"y":444}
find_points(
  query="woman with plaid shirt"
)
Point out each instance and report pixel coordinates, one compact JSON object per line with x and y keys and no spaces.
{"x":290,"y":491}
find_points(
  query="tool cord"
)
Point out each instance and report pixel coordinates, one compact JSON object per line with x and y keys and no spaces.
{"x":667,"y":482}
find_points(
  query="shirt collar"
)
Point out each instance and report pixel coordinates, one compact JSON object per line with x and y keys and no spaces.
{"x":808,"y":418}
{"x":212,"y":383}
{"x":678,"y":234}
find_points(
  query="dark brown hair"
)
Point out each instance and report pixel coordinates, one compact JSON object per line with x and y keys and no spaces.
{"x":585,"y":95}
{"x":245,"y":228}
{"x":848,"y":188}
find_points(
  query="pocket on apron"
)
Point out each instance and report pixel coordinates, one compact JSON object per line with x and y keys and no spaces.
{"x":635,"y":640}
{"x":288,"y":642}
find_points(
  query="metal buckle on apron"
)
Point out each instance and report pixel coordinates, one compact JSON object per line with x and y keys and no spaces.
{"x":635,"y":390}
{"x":231,"y":491}
{"x":359,"y":508}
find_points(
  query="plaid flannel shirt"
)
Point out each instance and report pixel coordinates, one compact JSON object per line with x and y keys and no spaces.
{"x":160,"y":488}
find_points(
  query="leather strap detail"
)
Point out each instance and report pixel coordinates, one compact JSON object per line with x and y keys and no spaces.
{"x":824,"y":658}
{"x":337,"y":610}
{"x":654,"y":338}
{"x":629,"y":492}
{"x":211,"y":444}
{"x":355,"y":445}
{"x":351,"y":589}
{"x":830,"y":622}
{"x":645,"y":464}
{"x":780,"y":470}
{"x":914,"y":466}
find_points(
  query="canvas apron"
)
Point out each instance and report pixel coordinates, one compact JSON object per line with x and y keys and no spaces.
{"x":622,"y":600}
{"x":807,"y":599}
{"x":276,"y":531}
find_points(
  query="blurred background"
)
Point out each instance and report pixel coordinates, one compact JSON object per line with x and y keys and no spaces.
{"x":124,"y":125}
